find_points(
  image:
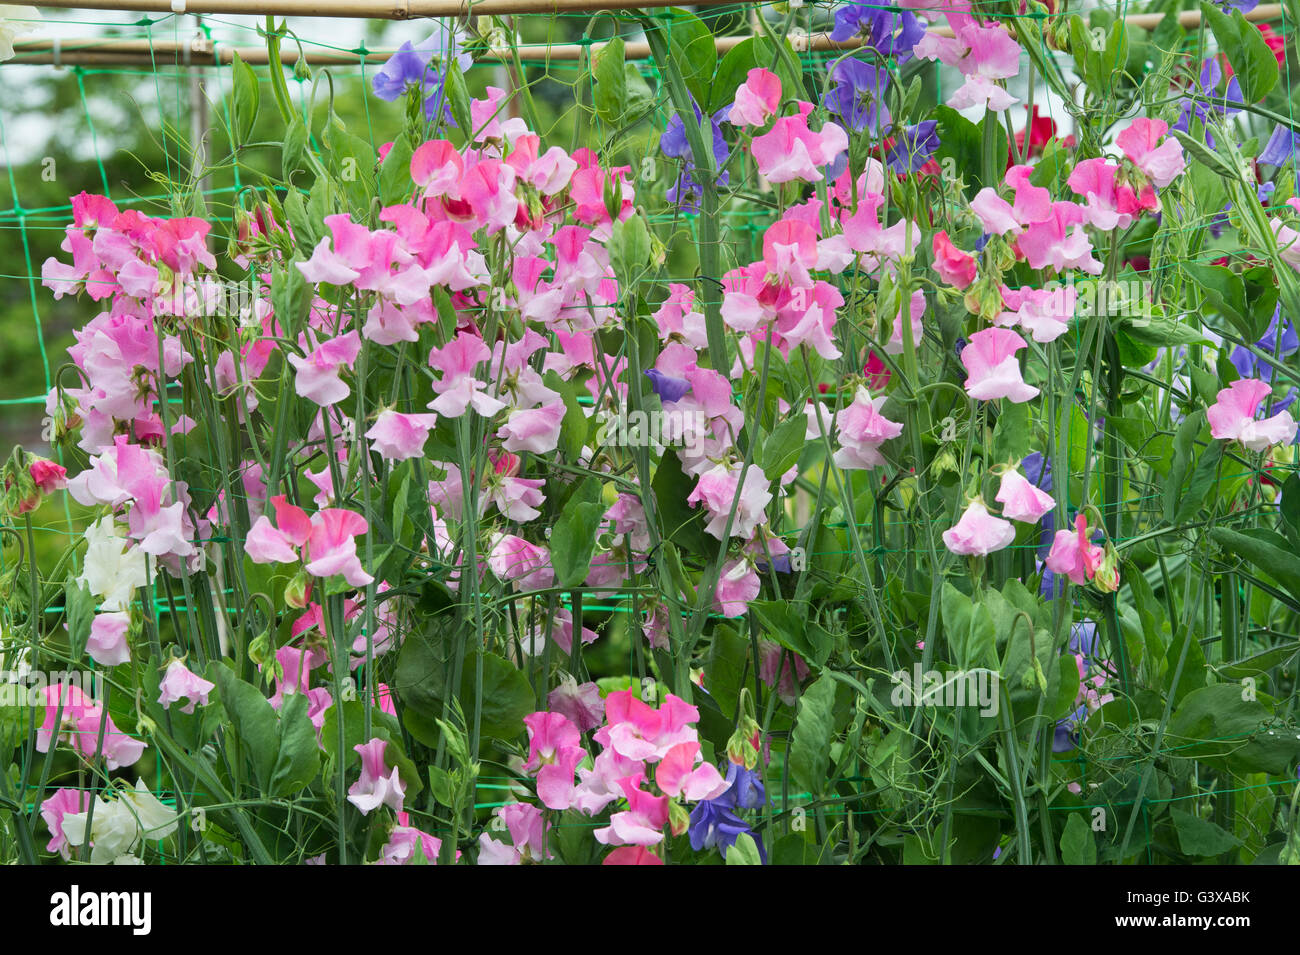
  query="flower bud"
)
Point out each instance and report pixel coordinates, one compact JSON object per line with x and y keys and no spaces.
{"x":297,"y":593}
{"x":1107,"y":577}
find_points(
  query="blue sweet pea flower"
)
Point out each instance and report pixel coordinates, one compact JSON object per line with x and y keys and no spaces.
{"x":674,"y":144}
{"x":858,"y":96}
{"x":916,"y":144}
{"x":1208,"y":85}
{"x":877,"y":28}
{"x":714,"y":822}
{"x":1281,"y":147}
{"x":667,"y":387}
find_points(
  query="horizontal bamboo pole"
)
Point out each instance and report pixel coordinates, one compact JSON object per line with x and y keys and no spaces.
{"x":97,"y":51}
{"x":416,"y":9}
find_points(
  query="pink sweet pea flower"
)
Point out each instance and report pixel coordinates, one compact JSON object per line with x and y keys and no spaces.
{"x":436,"y":167}
{"x":978,"y":533}
{"x":554,"y":752}
{"x":377,"y":785}
{"x":1020,"y":500}
{"x":862,"y":430}
{"x":757,"y":99}
{"x":1044,"y":313}
{"x":458,"y":388}
{"x":717,"y":490}
{"x":1232,"y":417}
{"x":48,"y":476}
{"x":179,"y":683}
{"x":991,"y":366}
{"x":678,"y":775}
{"x":1073,"y":555}
{"x":516,"y":561}
{"x":579,"y":702}
{"x":107,"y":643}
{"x":405,"y":841}
{"x":332,"y":548}
{"x":790,"y":150}
{"x":916,"y":310}
{"x":80,"y":726}
{"x":738,"y":584}
{"x":64,"y":802}
{"x":954,"y":266}
{"x":632,"y":855}
{"x":1163,"y":163}
{"x":317,"y":377}
{"x":396,"y":436}
{"x":636,"y":730}
{"x":641,"y":824}
{"x":1059,"y":241}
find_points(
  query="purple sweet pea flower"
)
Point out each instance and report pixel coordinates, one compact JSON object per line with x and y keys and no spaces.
{"x":1245,"y":6}
{"x":1208,"y":85}
{"x":1281,"y":147}
{"x":714,"y":822}
{"x":915,"y":145}
{"x":667,"y":387}
{"x":858,"y":96}
{"x":674,"y":144}
{"x":877,"y":29}
{"x":412,"y":69}
{"x":1250,"y":366}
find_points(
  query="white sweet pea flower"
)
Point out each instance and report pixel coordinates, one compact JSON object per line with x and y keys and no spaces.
{"x":121,"y":825}
{"x":12,"y":24}
{"x":112,"y":572}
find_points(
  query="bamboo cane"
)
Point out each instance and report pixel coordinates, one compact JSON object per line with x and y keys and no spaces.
{"x":96,"y":51}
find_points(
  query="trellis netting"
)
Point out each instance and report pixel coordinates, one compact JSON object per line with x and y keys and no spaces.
{"x":760,"y":433}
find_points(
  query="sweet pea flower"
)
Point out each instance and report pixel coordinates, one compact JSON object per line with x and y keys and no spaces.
{"x":180,"y":683}
{"x":377,"y":785}
{"x":858,"y":96}
{"x":328,"y":537}
{"x":1020,"y":500}
{"x":991,"y":366}
{"x":738,"y":584}
{"x":107,"y":643}
{"x":64,"y":802}
{"x":720,"y":486}
{"x":757,"y":99}
{"x":1073,"y":555}
{"x":1232,"y":417}
{"x":516,"y":561}
{"x":790,"y":150}
{"x":80,"y":726}
{"x":641,"y":824}
{"x":579,"y":702}
{"x":396,"y":436}
{"x":458,"y":388}
{"x":954,"y":266}
{"x":317,"y":377}
{"x":862,"y":430}
{"x":635,"y":730}
{"x":683,"y":774}
{"x":632,"y":855}
{"x":978,"y":533}
{"x":1162,"y":163}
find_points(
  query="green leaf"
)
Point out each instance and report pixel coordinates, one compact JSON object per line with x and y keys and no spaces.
{"x":781,"y":448}
{"x":810,"y":742}
{"x":693,"y":50}
{"x":1077,"y":844}
{"x":788,"y":624}
{"x":1200,"y":837}
{"x":1258,"y":664}
{"x":395,"y":173}
{"x":291,"y":297}
{"x":968,"y":628}
{"x":80,"y":604}
{"x":1252,"y":61}
{"x":297,"y":758}
{"x":1184,"y":448}
{"x":253,"y":720}
{"x":244,"y":101}
{"x":297,"y":147}
{"x":573,"y":538}
{"x":609,"y":90}
{"x":507,"y":696}
{"x":457,"y":94}
{"x":732,"y":73}
{"x":744,"y":851}
{"x":629,"y":249}
{"x":1268,"y":551}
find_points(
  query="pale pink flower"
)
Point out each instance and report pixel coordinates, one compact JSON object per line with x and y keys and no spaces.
{"x":396,"y":436}
{"x":738,"y":584}
{"x":1073,"y":555}
{"x":179,"y":683}
{"x":107,"y":643}
{"x":1020,"y":500}
{"x":978,"y":532}
{"x":862,"y":430}
{"x":1232,"y":417}
{"x":378,"y":784}
{"x":757,"y":99}
{"x":1162,"y":163}
{"x":992,"y":368}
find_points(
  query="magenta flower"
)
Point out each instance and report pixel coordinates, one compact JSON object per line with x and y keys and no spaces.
{"x":64,"y":802}
{"x":1162,"y":163}
{"x":790,"y":150}
{"x":1232,"y":417}
{"x":641,"y":824}
{"x":80,"y":726}
{"x":328,"y":536}
{"x":991,"y":366}
{"x":978,"y":532}
{"x":378,"y":784}
{"x":683,"y":774}
{"x":636,"y":730}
